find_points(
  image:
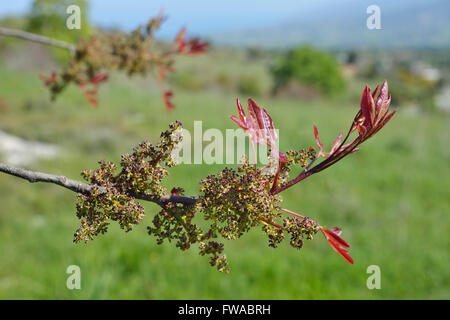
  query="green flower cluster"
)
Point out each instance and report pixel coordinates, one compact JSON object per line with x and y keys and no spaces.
{"x":113,"y":194}
{"x":132,"y":53}
{"x":231,"y":202}
{"x":237,"y":200}
{"x":300,"y":229}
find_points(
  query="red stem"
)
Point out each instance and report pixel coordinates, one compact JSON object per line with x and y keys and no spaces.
{"x":275,"y":180}
{"x":288,"y":184}
{"x":293,"y":213}
{"x":332,"y":159}
{"x":272,"y":223}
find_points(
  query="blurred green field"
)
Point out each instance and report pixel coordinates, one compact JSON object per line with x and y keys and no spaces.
{"x":392,"y":200}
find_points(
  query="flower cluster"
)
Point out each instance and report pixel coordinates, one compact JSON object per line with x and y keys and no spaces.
{"x":237,"y":200}
{"x":300,"y":229}
{"x":133,"y":53}
{"x":114,"y":193}
{"x":231,"y":202}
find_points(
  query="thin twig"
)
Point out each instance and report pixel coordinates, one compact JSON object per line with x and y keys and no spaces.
{"x":293,"y":213}
{"x":37,"y":38}
{"x":84,"y":188}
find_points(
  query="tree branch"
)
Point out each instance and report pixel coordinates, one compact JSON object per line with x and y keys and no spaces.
{"x":81,"y":187}
{"x":37,"y":38}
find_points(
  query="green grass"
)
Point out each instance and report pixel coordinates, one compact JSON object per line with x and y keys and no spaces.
{"x":392,"y":200}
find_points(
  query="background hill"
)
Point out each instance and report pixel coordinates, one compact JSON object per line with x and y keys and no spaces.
{"x":405,"y":24}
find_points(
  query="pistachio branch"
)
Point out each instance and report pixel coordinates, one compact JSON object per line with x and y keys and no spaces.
{"x":372,"y":116}
{"x":37,"y":38}
{"x":84,"y":188}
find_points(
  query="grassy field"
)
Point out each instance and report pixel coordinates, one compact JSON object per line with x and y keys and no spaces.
{"x":392,"y":200}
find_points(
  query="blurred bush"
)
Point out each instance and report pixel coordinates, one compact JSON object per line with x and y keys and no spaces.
{"x":224,"y":80}
{"x":310,"y":67}
{"x":249,"y":85}
{"x":188,"y":80}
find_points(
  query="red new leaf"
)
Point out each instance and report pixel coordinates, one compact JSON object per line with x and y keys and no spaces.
{"x":167,"y":95}
{"x":259,"y":126}
{"x":101,"y":77}
{"x":374,"y":112}
{"x":192,"y":46}
{"x":196,"y":46}
{"x":179,"y":40}
{"x":319,"y":144}
{"x":337,"y":243}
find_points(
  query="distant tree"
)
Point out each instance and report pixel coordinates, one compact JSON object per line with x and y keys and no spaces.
{"x":309,"y":66}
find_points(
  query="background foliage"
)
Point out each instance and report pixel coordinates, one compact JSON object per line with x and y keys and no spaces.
{"x":310,"y":67}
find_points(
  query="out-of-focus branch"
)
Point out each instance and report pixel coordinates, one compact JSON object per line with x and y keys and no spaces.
{"x":37,"y":38}
{"x":81,"y":187}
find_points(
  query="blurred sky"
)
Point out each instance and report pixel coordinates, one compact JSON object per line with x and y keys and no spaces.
{"x":206,"y":17}
{"x":202,"y":17}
